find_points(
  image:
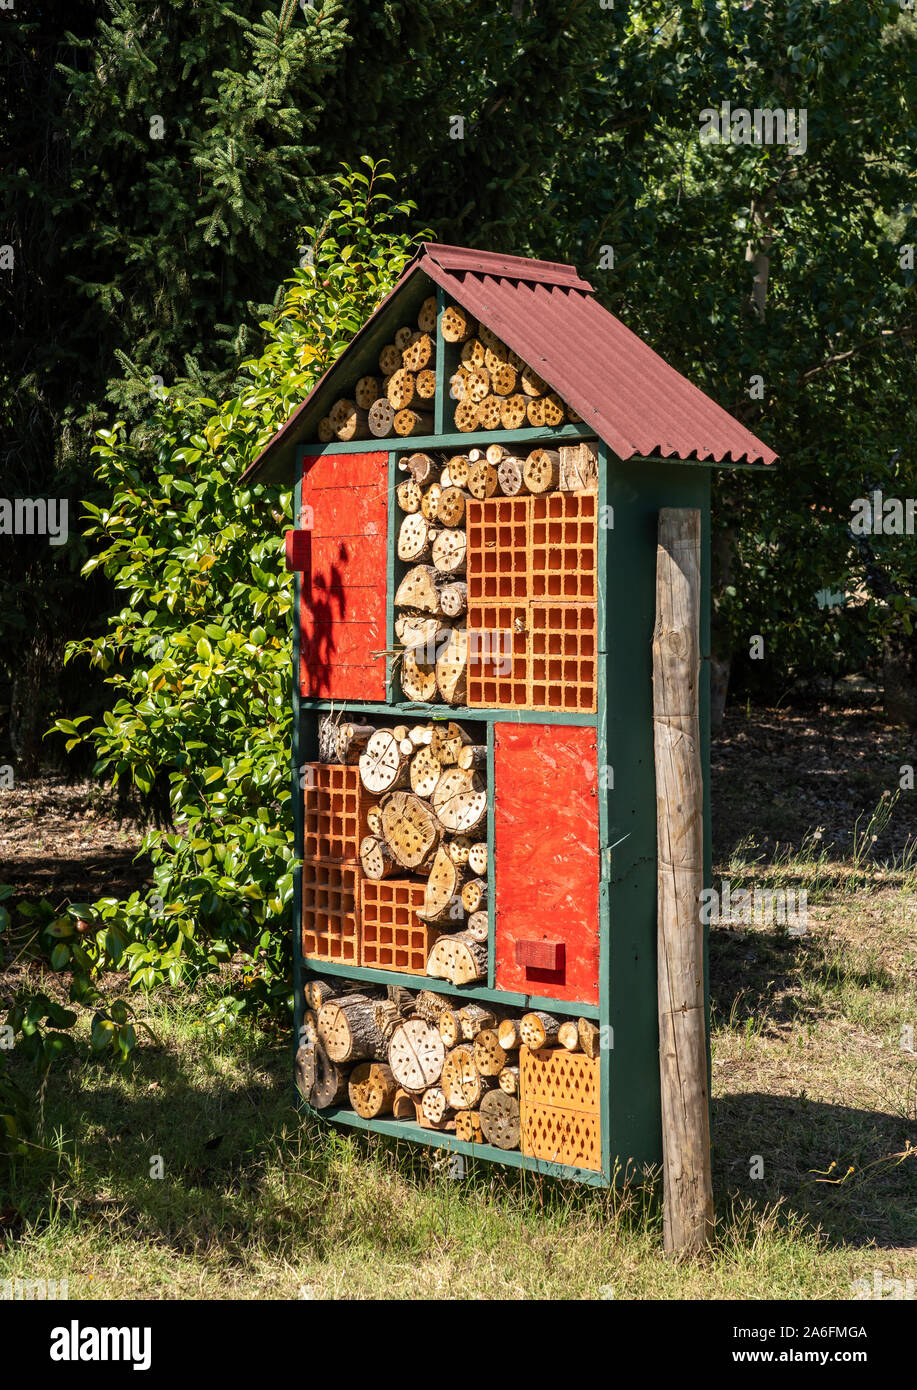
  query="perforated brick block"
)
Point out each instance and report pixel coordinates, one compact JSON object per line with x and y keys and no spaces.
{"x":559,"y":1107}
{"x":561,"y":1136}
{"x":497,"y":656}
{"x":393,"y":936}
{"x":497,"y":548}
{"x":554,"y":1076}
{"x":562,"y":547}
{"x":335,"y":803}
{"x":562,"y":657}
{"x":331,"y":911}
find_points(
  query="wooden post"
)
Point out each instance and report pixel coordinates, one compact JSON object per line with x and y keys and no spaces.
{"x":688,"y":1216}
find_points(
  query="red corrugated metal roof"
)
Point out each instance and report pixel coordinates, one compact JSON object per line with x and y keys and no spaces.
{"x":625,"y":391}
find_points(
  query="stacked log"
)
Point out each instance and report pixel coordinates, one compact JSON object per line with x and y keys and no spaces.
{"x":433,"y":1059}
{"x":397,"y":399}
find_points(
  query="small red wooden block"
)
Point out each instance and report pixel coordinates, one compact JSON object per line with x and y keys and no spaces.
{"x":296,"y":545}
{"x":540,"y":955}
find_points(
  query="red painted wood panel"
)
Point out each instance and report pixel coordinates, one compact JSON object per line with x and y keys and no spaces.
{"x":546,"y":856}
{"x":343,"y":596}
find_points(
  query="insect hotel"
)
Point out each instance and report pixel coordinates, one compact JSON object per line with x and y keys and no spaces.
{"x":480,"y":480}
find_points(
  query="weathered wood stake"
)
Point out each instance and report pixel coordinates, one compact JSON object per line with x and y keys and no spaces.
{"x":688,"y":1189}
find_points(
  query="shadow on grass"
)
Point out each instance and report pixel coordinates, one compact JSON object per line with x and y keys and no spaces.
{"x":837,"y":1167}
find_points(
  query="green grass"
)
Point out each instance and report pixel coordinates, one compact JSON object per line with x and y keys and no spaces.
{"x":254,"y":1203}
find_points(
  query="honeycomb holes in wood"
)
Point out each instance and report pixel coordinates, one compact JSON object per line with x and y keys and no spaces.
{"x":331,"y":911}
{"x":393,"y":937}
{"x":334,"y":811}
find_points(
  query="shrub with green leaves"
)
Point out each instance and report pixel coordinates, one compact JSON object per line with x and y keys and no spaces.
{"x":199,"y":655}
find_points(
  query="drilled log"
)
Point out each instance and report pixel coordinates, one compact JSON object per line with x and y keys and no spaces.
{"x":416,"y":1055}
{"x":478,"y":858}
{"x":410,"y":829}
{"x":467,"y":414}
{"x":389,"y":359}
{"x":482,"y":479}
{"x":435,"y":1107}
{"x":538,"y":1029}
{"x":474,"y":895}
{"x":381,"y":419}
{"x":490,"y":416}
{"x":418,"y":677}
{"x":478,"y":926}
{"x":418,"y":589}
{"x":468,"y":1126}
{"x":415,"y":537}
{"x":448,"y":552}
{"x":457,"y":958}
{"x":425,"y":385}
{"x":450,"y":1027}
{"x":409,"y":495}
{"x":410,"y":422}
{"x":456,"y":324}
{"x":376,"y":858}
{"x":541,"y":470}
{"x":383,"y":766}
{"x":510,"y":478}
{"x":371,"y":1087}
{"x":514,"y":411}
{"x":489,"y":1057}
{"x":500,"y":1119}
{"x":460,"y":800}
{"x":442,"y":894}
{"x":453,"y":599}
{"x":400,"y":392}
{"x":419,"y":352}
{"x":462,"y":1083}
{"x":508,"y":1080}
